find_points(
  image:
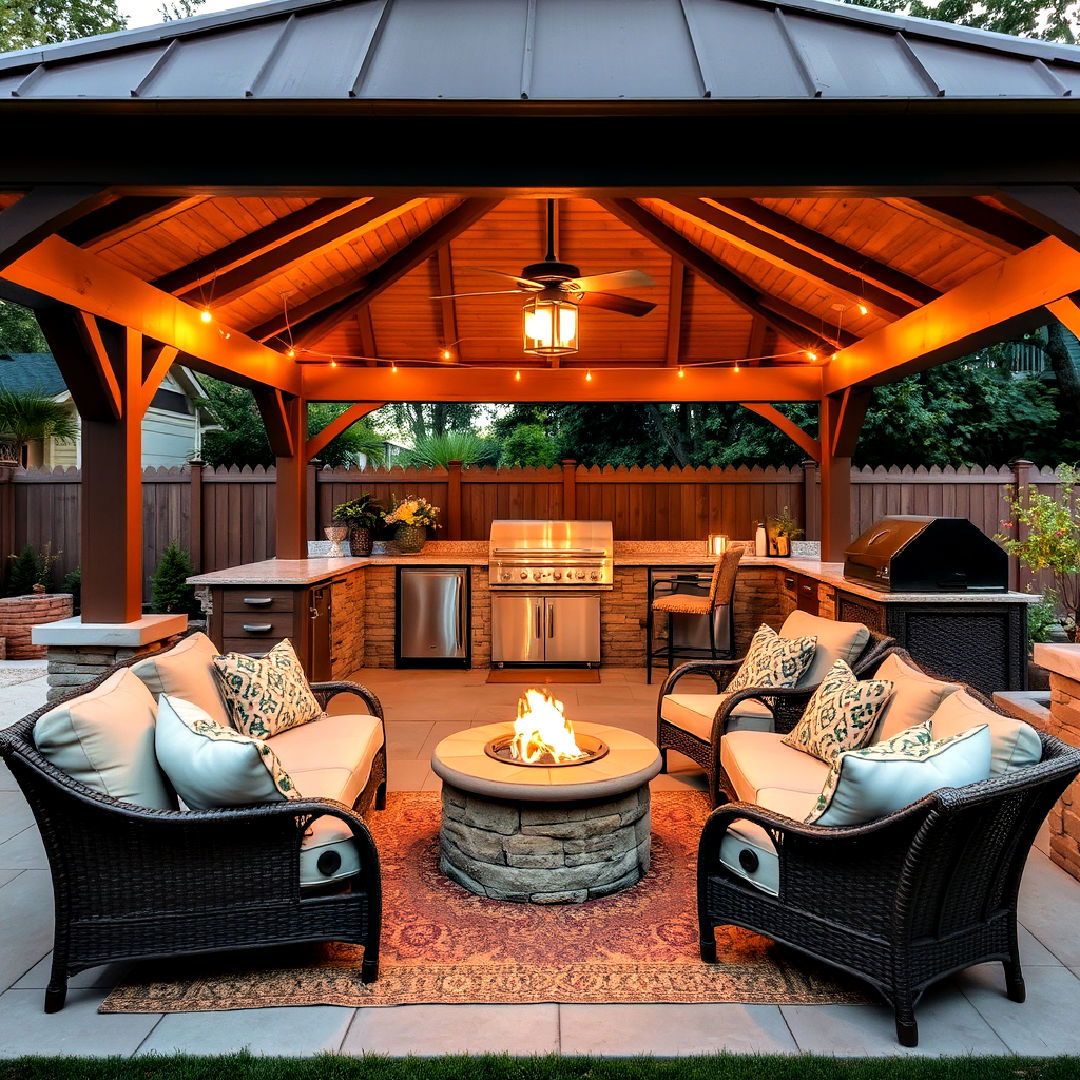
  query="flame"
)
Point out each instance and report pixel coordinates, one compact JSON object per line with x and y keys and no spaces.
{"x":542,"y":728}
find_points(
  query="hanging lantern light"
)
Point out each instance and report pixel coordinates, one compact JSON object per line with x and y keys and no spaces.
{"x":549,"y":324}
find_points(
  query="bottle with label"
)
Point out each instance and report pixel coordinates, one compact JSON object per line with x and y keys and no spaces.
{"x":761,"y":540}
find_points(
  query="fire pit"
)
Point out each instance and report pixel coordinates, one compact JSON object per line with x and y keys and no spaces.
{"x":519,"y":823}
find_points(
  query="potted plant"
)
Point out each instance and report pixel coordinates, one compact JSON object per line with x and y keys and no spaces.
{"x":782,"y":530}
{"x":412,"y":516}
{"x":1051,"y":540}
{"x":360,"y":516}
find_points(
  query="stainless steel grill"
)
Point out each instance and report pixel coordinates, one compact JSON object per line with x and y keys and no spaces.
{"x":562,"y":555}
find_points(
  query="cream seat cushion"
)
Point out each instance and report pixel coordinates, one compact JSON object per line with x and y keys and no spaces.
{"x":329,"y":758}
{"x":105,"y":740}
{"x":747,"y":849}
{"x":835,"y":641}
{"x":756,"y":761}
{"x":1013,"y":743}
{"x":186,"y":671}
{"x":914,"y":699}
{"x":694,"y":713}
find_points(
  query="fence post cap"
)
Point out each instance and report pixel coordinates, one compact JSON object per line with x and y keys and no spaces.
{"x":1020,"y":462}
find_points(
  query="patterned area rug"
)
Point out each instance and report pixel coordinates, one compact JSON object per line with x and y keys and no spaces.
{"x":443,"y":945}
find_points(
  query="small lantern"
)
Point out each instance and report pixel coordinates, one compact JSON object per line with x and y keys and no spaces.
{"x":718,"y":544}
{"x":550,"y":325}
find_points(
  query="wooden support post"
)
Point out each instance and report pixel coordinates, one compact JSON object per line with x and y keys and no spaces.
{"x":453,"y":500}
{"x":835,"y":483}
{"x":313,"y":531}
{"x":195,"y":514}
{"x":1019,"y":576}
{"x":569,"y":488}
{"x":811,"y":505}
{"x":285,"y":418}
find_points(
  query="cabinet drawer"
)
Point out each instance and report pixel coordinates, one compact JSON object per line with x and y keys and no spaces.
{"x":258,"y":601}
{"x":790,"y":583}
{"x":806,"y":598}
{"x":257,"y":624}
{"x":250,"y":646}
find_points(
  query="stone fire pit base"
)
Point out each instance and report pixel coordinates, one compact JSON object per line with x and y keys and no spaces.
{"x":545,"y":853}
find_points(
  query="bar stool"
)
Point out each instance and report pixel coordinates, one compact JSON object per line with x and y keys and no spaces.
{"x":720,"y":595}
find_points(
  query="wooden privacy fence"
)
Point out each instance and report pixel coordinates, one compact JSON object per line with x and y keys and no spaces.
{"x":225,"y":516}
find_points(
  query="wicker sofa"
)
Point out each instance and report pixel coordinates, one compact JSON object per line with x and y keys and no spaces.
{"x":901,"y":901}
{"x":131,"y":882}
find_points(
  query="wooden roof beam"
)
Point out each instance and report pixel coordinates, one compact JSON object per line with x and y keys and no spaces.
{"x":41,"y":212}
{"x":973,"y":220}
{"x":83,"y":359}
{"x":317,"y":443}
{"x":809,"y":445}
{"x":58,"y":271}
{"x":313,"y":329}
{"x":275,"y":260}
{"x":368,"y":345}
{"x":447,"y":304}
{"x":124,"y":216}
{"x":676,"y":302}
{"x":789,"y":322}
{"x":1003,"y":299}
{"x":868,"y":269}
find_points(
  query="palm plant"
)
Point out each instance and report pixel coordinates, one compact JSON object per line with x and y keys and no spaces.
{"x":29,"y":415}
{"x":434,"y":451}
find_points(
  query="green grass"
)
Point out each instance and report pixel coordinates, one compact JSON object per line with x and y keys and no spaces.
{"x":719,"y":1067}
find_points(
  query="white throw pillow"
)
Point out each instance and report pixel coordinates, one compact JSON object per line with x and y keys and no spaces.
{"x":835,"y":641}
{"x":867,"y":784}
{"x":185,"y":671}
{"x":915,"y":696}
{"x":1013,"y":743}
{"x":211,"y":765}
{"x":773,"y":661}
{"x":105,"y":740}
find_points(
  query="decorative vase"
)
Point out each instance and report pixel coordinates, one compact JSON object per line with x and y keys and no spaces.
{"x":783,"y":545}
{"x":335,"y":534}
{"x":410,"y":538}
{"x":360,"y":540}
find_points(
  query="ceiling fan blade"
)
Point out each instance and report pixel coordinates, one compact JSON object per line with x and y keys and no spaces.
{"x":617,"y":279}
{"x":492,"y":292}
{"x":525,"y":283}
{"x":624,"y":305}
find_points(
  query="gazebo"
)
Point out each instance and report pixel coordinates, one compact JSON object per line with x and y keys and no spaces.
{"x":294,"y":196}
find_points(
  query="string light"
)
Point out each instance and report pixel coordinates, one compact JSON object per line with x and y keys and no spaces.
{"x":290,"y":353}
{"x":446,"y":354}
{"x":835,"y":356}
{"x":517,"y":376}
{"x":333,"y":362}
{"x":588,"y":376}
{"x":863,"y":309}
{"x":682,"y":374}
{"x":393,"y":367}
{"x":736,"y":367}
{"x":205,"y":315}
{"x":811,"y":355}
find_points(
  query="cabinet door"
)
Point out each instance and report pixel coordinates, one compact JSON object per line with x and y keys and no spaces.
{"x":806,"y":595}
{"x":319,"y":662}
{"x":572,"y":629}
{"x":516,"y":629}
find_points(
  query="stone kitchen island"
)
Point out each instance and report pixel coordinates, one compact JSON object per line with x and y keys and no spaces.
{"x":341,"y":613}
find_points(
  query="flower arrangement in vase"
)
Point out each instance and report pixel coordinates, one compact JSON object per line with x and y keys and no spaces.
{"x":360,"y":516}
{"x":413,"y":516}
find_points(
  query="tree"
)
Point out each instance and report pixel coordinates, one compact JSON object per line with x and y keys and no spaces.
{"x":29,"y":415}
{"x":170,"y":593}
{"x":19,"y":330}
{"x":419,"y":420}
{"x":171,"y":10}
{"x":25,"y":24}
{"x":528,"y":445}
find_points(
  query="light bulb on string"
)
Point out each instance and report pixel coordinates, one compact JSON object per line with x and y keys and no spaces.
{"x":811,"y":355}
{"x":446,"y":354}
{"x":517,"y":376}
{"x":863,"y":309}
{"x":736,"y":368}
{"x":682,"y":374}
{"x":588,"y":376}
{"x":205,"y":315}
{"x":290,"y":353}
{"x":333,"y":362}
{"x":393,"y":367}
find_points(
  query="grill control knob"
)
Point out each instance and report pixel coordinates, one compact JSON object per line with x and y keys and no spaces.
{"x":506,"y":575}
{"x":581,"y":575}
{"x":558,"y":575}
{"x":524,"y":574}
{"x":594,"y":575}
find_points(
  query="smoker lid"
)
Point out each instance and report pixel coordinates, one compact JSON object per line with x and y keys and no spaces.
{"x":892,"y":534}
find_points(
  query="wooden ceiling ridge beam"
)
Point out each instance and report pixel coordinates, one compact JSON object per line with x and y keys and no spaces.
{"x":865,"y":267}
{"x":966,"y":216}
{"x":275,"y":260}
{"x":206,"y":267}
{"x":355,"y":412}
{"x":43,"y":211}
{"x":789,"y":322}
{"x":809,"y":445}
{"x":1006,"y":298}
{"x":58,"y":272}
{"x":313,"y":329}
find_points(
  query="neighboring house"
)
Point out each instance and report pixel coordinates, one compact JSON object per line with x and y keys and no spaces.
{"x":172,"y":429}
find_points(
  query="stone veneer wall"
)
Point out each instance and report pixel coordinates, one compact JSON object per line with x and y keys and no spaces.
{"x":348,"y":617}
{"x":20,"y":614}
{"x":1064,"y":819}
{"x":71,"y":666}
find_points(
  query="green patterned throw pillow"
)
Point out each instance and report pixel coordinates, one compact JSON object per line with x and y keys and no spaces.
{"x":267,"y":694}
{"x":773,"y":661}
{"x":841,"y":715}
{"x":211,"y":765}
{"x":867,"y":784}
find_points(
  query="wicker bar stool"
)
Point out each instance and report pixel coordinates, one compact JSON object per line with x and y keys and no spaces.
{"x":720,"y":595}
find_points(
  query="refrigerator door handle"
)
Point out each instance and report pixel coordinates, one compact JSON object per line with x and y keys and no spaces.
{"x":551,"y":620}
{"x":537,"y":618}
{"x":460,"y":598}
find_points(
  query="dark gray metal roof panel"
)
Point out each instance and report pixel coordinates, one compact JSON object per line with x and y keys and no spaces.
{"x":546,"y":50}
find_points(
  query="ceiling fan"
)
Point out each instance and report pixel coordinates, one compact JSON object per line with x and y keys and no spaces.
{"x":555,"y":280}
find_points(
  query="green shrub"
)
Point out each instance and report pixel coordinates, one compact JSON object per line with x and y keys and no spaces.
{"x":434,"y":451}
{"x":170,"y":593}
{"x":72,"y":583}
{"x":30,"y":568}
{"x":529,"y":445}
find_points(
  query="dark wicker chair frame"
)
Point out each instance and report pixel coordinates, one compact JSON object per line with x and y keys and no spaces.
{"x":786,"y":706}
{"x":131,"y":883}
{"x":903,"y":901}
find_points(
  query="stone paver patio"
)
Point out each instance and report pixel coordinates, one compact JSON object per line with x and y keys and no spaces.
{"x":969,"y":1015}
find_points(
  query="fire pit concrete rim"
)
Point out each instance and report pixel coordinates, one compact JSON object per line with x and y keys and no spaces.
{"x":460,"y":761}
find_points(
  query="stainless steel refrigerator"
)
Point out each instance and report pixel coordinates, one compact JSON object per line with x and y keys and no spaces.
{"x":433,"y":617}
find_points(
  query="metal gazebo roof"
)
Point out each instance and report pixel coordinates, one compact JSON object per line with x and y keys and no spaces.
{"x":544,"y":50}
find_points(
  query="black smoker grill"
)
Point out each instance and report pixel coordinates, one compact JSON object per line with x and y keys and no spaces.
{"x":907,"y":553}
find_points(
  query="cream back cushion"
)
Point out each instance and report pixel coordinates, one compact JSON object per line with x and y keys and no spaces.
{"x":1013,"y":743}
{"x":186,"y":671}
{"x":105,"y":740}
{"x":835,"y":641}
{"x":915,"y":696}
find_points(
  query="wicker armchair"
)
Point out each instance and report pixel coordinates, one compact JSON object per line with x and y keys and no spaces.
{"x":786,"y":707}
{"x":903,"y":901}
{"x":134,"y":883}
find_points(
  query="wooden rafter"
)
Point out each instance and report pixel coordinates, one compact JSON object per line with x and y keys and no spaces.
{"x":810,"y":446}
{"x":58,"y":271}
{"x":274,"y":260}
{"x":447,"y":305}
{"x":790,"y":322}
{"x":274,"y":409}
{"x":973,"y":220}
{"x":676,"y":301}
{"x":317,"y":443}
{"x":124,"y":216}
{"x":41,"y":212}
{"x":1006,"y":298}
{"x":1052,"y":208}
{"x":83,"y":359}
{"x":157,"y":360}
{"x":849,"y":421}
{"x":856,"y":262}
{"x":206,"y":268}
{"x":759,"y":332}
{"x":313,"y":329}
